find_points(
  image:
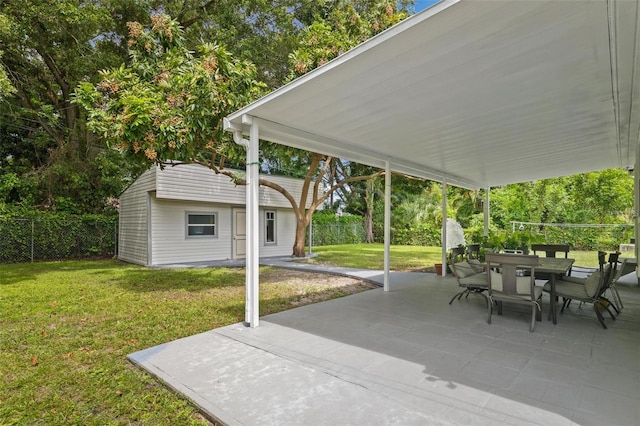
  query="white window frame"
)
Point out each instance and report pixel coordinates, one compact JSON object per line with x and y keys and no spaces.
{"x":266,"y":227}
{"x":188,"y":214}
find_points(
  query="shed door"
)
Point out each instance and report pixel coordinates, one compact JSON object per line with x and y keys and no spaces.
{"x":239,"y":233}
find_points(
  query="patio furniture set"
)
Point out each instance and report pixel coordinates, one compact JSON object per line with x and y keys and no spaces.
{"x":511,"y":278}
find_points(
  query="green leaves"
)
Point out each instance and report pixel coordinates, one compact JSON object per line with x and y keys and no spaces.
{"x":343,"y":27}
{"x":168,"y":104}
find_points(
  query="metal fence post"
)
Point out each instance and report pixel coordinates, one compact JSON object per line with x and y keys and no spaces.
{"x":32,"y":239}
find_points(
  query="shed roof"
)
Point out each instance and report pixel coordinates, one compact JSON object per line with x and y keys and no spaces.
{"x":482,"y":93}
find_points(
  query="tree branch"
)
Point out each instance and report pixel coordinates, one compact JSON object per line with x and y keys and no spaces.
{"x":316,"y":186}
{"x":186,"y":23}
{"x":343,"y":182}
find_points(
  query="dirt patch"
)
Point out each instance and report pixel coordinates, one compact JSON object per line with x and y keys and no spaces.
{"x":293,"y":277}
{"x":324,"y":284}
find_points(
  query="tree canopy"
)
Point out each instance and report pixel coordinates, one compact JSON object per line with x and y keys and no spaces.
{"x":168,"y":104}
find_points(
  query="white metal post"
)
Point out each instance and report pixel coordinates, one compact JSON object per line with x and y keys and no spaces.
{"x":636,"y":207}
{"x":253,"y":255}
{"x":387,"y":224}
{"x":310,"y":236}
{"x":444,"y":227}
{"x":486,"y":211}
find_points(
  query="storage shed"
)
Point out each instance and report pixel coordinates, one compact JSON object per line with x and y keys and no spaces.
{"x":188,"y":213}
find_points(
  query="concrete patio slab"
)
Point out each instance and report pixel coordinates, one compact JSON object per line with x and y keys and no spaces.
{"x":408,"y":357}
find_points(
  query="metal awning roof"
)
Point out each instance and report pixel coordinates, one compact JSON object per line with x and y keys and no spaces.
{"x":480,"y":93}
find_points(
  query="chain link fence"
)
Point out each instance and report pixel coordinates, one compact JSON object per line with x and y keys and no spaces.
{"x":40,"y":239}
{"x":337,"y":233}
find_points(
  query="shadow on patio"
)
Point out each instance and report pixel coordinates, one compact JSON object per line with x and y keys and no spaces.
{"x":408,"y":357}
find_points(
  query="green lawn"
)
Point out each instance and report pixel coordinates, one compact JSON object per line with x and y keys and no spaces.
{"x":66,"y":328}
{"x":403,"y":258}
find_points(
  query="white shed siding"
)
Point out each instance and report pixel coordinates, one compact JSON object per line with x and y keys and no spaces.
{"x":285,"y":233}
{"x":169,"y":241}
{"x":153,"y":215}
{"x":195,"y":182}
{"x":133,"y":224}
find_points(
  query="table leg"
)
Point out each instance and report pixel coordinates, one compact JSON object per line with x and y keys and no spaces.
{"x":553,"y":298}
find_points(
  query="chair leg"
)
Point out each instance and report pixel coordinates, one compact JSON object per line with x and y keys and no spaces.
{"x":617,"y":298}
{"x":458,"y":295}
{"x":606,"y":304}
{"x":599,"y":315}
{"x":613,"y":305}
{"x":613,"y":317}
{"x":490,"y":309}
{"x":534,"y":314}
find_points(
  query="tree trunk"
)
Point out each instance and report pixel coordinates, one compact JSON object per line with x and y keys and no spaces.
{"x":368,"y":211}
{"x":301,"y":232}
{"x":368,"y":224}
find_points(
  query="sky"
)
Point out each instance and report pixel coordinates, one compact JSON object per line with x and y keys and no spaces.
{"x":423,"y":4}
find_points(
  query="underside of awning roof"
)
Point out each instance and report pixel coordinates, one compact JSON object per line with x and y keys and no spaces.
{"x":479,"y":93}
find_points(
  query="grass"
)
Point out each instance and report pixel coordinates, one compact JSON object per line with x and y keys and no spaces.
{"x":66,"y":328}
{"x":404,"y":258}
{"x":371,"y":256}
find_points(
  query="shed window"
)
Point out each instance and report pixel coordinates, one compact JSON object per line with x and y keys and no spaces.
{"x":201,"y":225}
{"x":270,"y":227}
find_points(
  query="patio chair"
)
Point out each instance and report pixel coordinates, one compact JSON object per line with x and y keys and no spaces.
{"x":602,"y":260}
{"x":471,"y":278}
{"x":508,"y":286}
{"x":625,"y":266}
{"x":457,"y":254}
{"x":590,"y":290}
{"x":550,"y":250}
{"x":473,"y":252}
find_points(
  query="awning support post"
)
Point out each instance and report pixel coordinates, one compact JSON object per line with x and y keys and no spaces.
{"x":444,"y":227}
{"x":486,"y":211}
{"x":253,"y":255}
{"x":387,"y":224}
{"x":252,"y":177}
{"x":636,"y":207}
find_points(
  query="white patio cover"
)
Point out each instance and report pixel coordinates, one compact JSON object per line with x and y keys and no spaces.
{"x":474,"y":93}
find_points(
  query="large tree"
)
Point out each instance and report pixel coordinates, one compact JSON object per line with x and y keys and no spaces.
{"x":51,"y":45}
{"x":6,"y":88}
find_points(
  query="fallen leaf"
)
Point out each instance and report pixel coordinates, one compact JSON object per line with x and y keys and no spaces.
{"x":119,"y":393}
{"x":43,"y":333}
{"x":34,"y":361}
{"x":54,"y":304}
{"x":69,"y":355}
{"x":133,"y":341}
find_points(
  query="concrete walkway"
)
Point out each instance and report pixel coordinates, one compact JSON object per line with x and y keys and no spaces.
{"x":407,"y":357}
{"x":288,"y":262}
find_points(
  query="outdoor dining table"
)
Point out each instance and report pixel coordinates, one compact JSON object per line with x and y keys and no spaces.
{"x":555,"y":267}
